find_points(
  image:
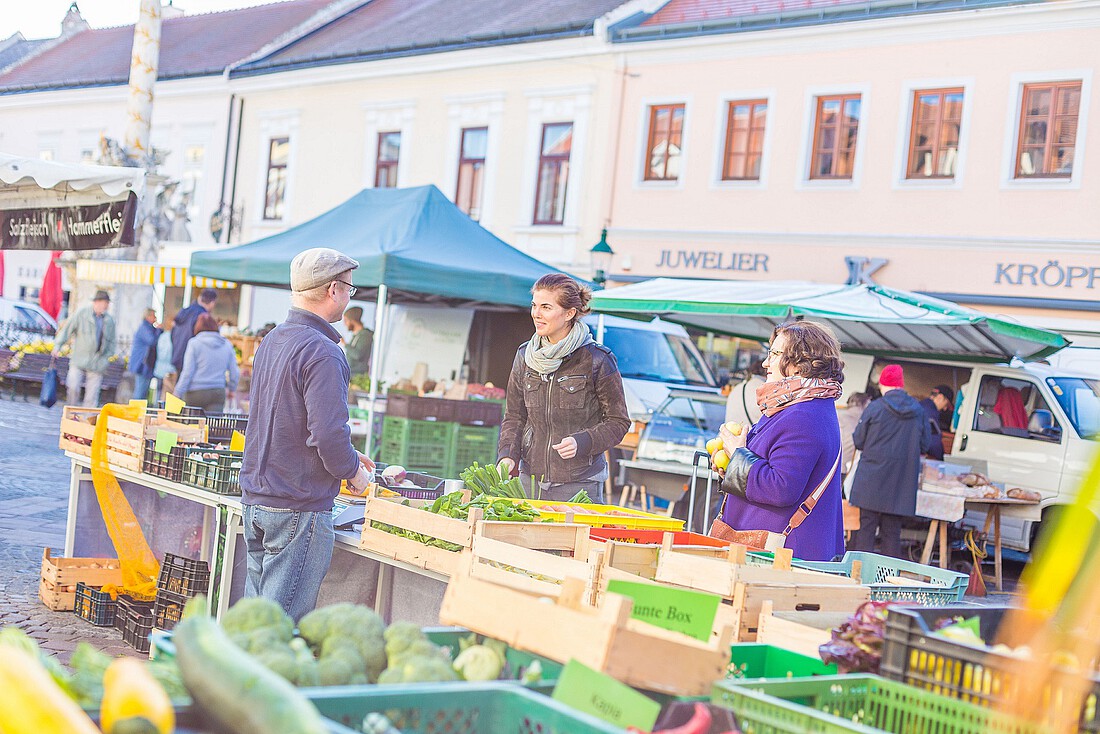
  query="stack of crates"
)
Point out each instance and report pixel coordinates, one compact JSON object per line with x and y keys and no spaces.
{"x":180,"y":579}
{"x":439,"y":437}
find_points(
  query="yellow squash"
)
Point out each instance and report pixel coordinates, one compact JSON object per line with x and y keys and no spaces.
{"x":133,"y":701}
{"x":31,"y":702}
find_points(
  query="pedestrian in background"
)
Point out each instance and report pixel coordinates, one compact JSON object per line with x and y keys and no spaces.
{"x":298,"y":442}
{"x":184,"y":325}
{"x":891,"y":436}
{"x":163,"y":367}
{"x":849,"y":419}
{"x":210,"y":372}
{"x":784,"y":472}
{"x":565,"y":405}
{"x":92,"y":330}
{"x":358,"y":346}
{"x":143,"y":354}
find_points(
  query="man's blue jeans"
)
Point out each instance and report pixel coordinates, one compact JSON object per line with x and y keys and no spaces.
{"x":141,"y":386}
{"x":288,"y":555}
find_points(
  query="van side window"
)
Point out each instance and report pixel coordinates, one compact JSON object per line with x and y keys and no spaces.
{"x":1014,"y":407}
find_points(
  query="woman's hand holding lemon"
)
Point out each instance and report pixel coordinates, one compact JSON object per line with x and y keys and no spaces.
{"x":733,"y":436}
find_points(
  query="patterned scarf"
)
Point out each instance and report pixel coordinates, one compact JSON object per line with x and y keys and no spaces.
{"x":773,"y":397}
{"x":545,"y":358}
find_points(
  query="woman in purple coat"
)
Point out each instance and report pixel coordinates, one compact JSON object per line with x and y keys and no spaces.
{"x":794,"y":449}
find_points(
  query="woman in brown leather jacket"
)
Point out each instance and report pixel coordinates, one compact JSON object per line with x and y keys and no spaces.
{"x":565,"y":398}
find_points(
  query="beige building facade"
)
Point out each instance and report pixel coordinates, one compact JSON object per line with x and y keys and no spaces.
{"x":950,"y":153}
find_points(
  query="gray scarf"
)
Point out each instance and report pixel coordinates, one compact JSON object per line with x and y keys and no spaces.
{"x":545,"y":358}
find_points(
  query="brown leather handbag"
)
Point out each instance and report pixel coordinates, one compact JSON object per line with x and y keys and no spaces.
{"x":721,"y":530}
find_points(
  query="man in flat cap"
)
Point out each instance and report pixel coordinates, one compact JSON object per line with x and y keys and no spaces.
{"x":92,"y":331}
{"x":298,"y":444}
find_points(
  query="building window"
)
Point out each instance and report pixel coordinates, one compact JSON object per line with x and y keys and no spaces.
{"x":471,"y":170}
{"x":275,"y":191}
{"x":664,"y":143}
{"x":836,"y":128}
{"x":745,"y":126}
{"x":557,"y":142}
{"x":1048,"y":130}
{"x":934,"y":137}
{"x":385,"y":165}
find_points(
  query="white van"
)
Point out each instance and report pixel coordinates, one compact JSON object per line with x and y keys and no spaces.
{"x":653,"y":356}
{"x":1035,"y":426}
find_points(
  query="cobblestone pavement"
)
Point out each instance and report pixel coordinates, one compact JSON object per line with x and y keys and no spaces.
{"x":34,"y":495}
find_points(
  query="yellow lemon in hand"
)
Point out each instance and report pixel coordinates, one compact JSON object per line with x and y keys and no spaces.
{"x":735,"y":428}
{"x":721,"y":459}
{"x":713,"y":445}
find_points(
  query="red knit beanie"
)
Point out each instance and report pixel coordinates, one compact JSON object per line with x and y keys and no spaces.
{"x":891,"y":376}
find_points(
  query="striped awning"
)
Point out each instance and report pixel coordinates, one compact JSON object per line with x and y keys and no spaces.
{"x":141,"y":273}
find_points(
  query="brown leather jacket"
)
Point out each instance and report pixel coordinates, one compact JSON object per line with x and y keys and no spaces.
{"x":583,"y":399}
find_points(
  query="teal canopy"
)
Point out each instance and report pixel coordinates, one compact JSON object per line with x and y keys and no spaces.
{"x":414,"y":241}
{"x":868,"y":319}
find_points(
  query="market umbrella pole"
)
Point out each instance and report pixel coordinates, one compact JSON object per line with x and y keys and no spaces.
{"x":377,"y":355}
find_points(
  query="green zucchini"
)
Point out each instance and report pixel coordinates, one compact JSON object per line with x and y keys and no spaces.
{"x":234,"y":688}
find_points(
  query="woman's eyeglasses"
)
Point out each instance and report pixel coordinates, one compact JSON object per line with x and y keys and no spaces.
{"x":774,"y":354}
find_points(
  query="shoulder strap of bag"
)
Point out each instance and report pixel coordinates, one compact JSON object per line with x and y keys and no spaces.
{"x":807,"y":507}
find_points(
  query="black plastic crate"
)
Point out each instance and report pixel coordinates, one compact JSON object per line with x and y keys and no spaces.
{"x":137,"y":626}
{"x":218,"y":470}
{"x":913,"y":654}
{"x":220,"y":426}
{"x":128,"y":606}
{"x":183,"y":576}
{"x":168,"y":609}
{"x":95,"y":606}
{"x":479,"y":413}
{"x":168,"y":466}
{"x":187,"y":411}
{"x":440,"y":410}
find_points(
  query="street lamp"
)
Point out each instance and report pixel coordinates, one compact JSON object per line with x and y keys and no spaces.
{"x":601,"y":259}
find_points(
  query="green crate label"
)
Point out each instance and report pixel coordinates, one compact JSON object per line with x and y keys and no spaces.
{"x":679,"y":610}
{"x":166,"y":441}
{"x":604,"y":697}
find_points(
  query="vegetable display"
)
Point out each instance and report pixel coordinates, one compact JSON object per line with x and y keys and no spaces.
{"x":452,"y":505}
{"x":133,"y":701}
{"x":493,"y":480}
{"x":856,"y":645}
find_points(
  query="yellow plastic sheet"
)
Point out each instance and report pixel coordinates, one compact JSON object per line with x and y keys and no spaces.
{"x":139,"y":566}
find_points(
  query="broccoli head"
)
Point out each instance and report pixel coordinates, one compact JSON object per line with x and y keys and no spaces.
{"x":419,"y":669}
{"x":255,"y":613}
{"x":339,"y":619}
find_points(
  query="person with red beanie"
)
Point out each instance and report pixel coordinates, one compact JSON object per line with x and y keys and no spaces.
{"x":892,"y":434}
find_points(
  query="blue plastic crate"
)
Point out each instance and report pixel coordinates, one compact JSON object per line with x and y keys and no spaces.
{"x":930,"y":586}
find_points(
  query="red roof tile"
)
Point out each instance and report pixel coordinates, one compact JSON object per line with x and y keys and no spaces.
{"x":195,"y":45}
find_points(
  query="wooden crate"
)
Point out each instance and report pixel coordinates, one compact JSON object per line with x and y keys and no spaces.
{"x":57,"y":598}
{"x":801,"y":632}
{"x":534,"y":557}
{"x":77,"y":429}
{"x":744,"y":588}
{"x":61,"y":572}
{"x":641,"y":559}
{"x":126,"y":438}
{"x":604,"y":638}
{"x":412,"y":517}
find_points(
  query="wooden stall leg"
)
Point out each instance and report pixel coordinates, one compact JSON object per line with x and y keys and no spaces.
{"x":945,"y":549}
{"x":929,"y":542}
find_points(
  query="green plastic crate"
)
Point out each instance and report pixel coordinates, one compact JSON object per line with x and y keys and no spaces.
{"x":876,"y":570}
{"x":473,"y":443}
{"x":752,"y":660}
{"x":421,"y":446}
{"x":474,"y":708}
{"x":854,"y":703}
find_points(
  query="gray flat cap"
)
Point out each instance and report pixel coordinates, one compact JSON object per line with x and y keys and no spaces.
{"x":317,"y":267}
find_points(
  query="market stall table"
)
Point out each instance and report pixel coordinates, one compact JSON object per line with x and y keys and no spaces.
{"x":221,"y":541}
{"x":944,"y":508}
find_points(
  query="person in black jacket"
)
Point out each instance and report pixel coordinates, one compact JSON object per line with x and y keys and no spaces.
{"x":184,"y":325}
{"x":892,"y":434}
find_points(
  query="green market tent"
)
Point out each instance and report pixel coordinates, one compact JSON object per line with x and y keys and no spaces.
{"x":414,"y":242}
{"x":413,"y":246}
{"x":868,"y":319}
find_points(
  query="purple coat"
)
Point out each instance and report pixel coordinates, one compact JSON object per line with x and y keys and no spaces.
{"x":798,"y":446}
